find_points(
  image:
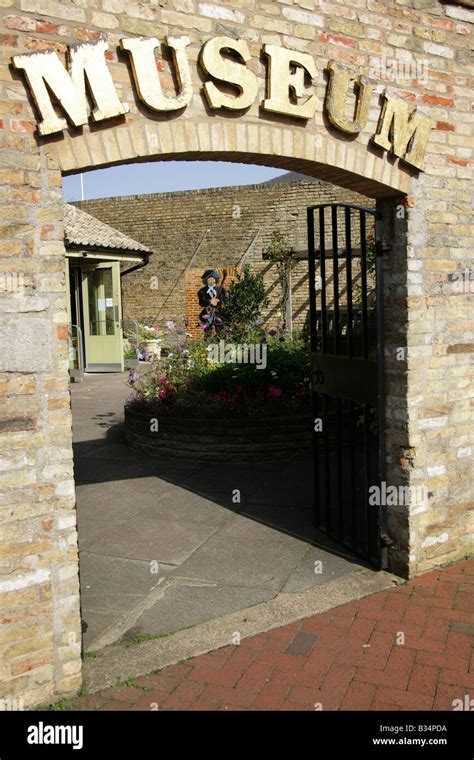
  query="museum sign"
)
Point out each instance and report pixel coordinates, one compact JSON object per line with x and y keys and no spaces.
{"x":229,"y":84}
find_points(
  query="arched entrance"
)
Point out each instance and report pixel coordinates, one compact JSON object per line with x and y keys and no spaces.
{"x":105,"y":637}
{"x":129,"y":500}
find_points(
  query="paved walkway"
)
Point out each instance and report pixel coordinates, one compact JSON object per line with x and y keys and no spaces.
{"x":163,"y":546}
{"x":408,"y":648}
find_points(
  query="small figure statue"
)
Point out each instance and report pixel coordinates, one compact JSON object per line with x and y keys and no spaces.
{"x":211,"y":297}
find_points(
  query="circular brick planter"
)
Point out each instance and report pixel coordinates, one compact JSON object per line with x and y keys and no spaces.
{"x":237,"y":439}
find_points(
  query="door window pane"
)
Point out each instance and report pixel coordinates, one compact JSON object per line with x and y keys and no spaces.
{"x":101,"y":302}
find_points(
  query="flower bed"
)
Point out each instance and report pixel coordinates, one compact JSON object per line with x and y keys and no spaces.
{"x":217,"y":399}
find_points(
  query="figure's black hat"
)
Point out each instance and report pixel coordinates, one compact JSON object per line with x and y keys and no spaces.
{"x":211,"y":273}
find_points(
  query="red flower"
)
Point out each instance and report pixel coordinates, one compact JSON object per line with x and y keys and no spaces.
{"x":274,"y":391}
{"x":220,"y":396}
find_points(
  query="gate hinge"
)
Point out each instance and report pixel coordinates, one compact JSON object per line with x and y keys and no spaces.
{"x":386,"y":540}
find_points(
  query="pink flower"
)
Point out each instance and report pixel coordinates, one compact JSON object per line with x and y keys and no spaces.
{"x":166,"y":393}
{"x":274,"y":391}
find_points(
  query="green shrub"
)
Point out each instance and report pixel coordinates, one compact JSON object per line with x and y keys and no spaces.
{"x":241,"y":311}
{"x":191,"y":379}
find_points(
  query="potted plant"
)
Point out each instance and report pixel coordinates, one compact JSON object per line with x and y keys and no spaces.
{"x":130,"y":358}
{"x":150,"y":340}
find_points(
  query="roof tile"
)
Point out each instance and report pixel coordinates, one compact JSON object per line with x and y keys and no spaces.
{"x":80,"y":228}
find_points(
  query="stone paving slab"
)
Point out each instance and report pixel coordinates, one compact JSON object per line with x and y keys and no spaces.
{"x":350,"y":657}
{"x":188,"y":603}
{"x":257,"y":563}
{"x":184,"y":505}
{"x":295,"y":521}
{"x":304,"y":576}
{"x":133,"y":508}
{"x":152,"y":539}
{"x":118,"y":580}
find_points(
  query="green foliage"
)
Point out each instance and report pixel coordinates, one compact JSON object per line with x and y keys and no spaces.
{"x":193,"y":381}
{"x":175,"y":376}
{"x":282,"y":255}
{"x":242,"y":309}
{"x":288,"y":368}
{"x":371,"y":254}
{"x":188,"y":364}
{"x":149,"y":333}
{"x":139,"y":640}
{"x":371,"y":259}
{"x":279,"y":250}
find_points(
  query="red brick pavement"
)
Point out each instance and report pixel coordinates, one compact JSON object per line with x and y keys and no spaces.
{"x":408,"y":648}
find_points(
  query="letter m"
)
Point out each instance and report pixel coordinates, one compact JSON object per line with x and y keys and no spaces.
{"x":48,"y":79}
{"x":406,"y":135}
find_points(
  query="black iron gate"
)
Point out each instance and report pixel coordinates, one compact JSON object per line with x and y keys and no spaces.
{"x":346,"y":307}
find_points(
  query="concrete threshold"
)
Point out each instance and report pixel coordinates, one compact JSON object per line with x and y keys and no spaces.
{"x":122,"y":662}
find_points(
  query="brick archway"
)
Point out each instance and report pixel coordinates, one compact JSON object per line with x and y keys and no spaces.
{"x":346,"y":163}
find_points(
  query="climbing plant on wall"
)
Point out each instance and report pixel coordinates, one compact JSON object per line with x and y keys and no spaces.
{"x":281,"y":253}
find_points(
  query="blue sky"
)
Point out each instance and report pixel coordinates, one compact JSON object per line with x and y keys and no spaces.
{"x":163,"y":176}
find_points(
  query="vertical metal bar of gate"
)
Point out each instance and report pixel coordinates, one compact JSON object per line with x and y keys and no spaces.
{"x":382,"y":463}
{"x":325,"y":450}
{"x":313,"y":338}
{"x":348,"y":387}
{"x":336,"y":403}
{"x":363,"y":284}
{"x":351,"y":516}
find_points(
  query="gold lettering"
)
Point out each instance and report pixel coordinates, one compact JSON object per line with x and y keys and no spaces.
{"x":146,"y":77}
{"x":286,"y":78}
{"x":85,"y":61}
{"x":83,"y":88}
{"x":231,"y":72}
{"x":340,"y":80}
{"x":399,"y":132}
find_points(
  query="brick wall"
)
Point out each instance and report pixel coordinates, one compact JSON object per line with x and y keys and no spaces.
{"x":173,"y":226}
{"x":192,"y":283}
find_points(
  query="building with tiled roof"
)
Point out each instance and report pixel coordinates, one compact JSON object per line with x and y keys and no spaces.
{"x":83,"y":230}
{"x":98,"y":256}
